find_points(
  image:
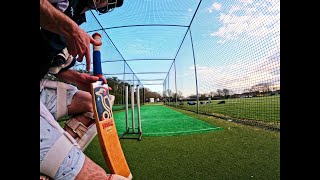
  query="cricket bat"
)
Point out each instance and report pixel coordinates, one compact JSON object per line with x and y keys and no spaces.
{"x":106,"y":128}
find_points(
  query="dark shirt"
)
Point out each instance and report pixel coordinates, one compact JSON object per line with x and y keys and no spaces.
{"x":51,"y":44}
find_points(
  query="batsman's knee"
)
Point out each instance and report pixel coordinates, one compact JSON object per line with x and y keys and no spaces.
{"x":81,"y":103}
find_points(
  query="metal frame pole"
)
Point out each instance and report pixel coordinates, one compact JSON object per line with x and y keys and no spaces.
{"x":175,"y":81}
{"x":169,"y":90}
{"x":163,"y":92}
{"x":195,"y":71}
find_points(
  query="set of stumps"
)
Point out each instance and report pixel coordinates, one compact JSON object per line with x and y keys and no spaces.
{"x":132,"y":132}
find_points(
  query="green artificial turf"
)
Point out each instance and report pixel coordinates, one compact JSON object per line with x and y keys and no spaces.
{"x":162,"y":121}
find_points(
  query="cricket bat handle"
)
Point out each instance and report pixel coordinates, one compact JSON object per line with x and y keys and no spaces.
{"x":97,"y":70}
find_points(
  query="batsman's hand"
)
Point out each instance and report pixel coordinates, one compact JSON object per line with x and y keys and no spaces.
{"x":84,"y":80}
{"x":102,"y":78}
{"x":78,"y":44}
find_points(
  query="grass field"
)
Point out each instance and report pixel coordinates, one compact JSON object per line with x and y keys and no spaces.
{"x":265,"y":109}
{"x":236,"y":152}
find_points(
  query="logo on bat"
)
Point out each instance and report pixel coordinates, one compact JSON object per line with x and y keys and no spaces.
{"x":103,"y":104}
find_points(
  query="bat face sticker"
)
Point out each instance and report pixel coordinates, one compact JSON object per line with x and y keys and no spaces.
{"x":103,"y":103}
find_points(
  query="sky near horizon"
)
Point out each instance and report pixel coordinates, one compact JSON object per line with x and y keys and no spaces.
{"x":236,"y":43}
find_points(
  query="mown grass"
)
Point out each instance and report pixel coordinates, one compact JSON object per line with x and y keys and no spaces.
{"x":236,"y":152}
{"x":265,"y":109}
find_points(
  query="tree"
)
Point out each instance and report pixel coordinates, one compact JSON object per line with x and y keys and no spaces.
{"x":225,"y":92}
{"x":212,"y":93}
{"x":169,"y":93}
{"x":262,"y":88}
{"x":177,"y":95}
{"x":204,"y":95}
{"x":117,"y":89}
{"x":193,"y":96}
{"x":219,"y":92}
{"x":151,"y":94}
{"x":231,"y":92}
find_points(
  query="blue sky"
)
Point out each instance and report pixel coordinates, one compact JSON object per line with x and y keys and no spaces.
{"x":236,"y":43}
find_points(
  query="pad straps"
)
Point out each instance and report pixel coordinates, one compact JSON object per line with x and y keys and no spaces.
{"x":61,"y":88}
{"x":61,"y":100}
{"x":76,"y":126}
{"x":55,"y":156}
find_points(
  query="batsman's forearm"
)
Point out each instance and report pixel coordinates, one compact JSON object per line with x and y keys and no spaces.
{"x":68,"y":76}
{"x":54,"y":20}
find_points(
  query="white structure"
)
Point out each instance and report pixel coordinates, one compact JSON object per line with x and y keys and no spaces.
{"x":152,"y":100}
